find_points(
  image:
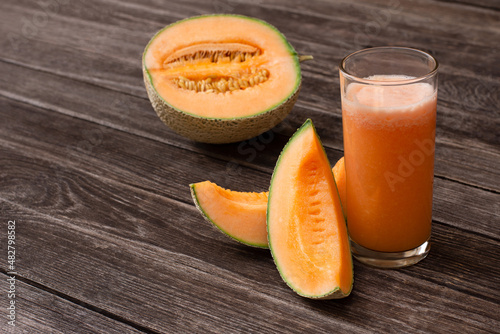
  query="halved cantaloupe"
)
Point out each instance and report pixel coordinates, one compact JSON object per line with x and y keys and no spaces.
{"x":306,"y":228}
{"x":221,"y":78}
{"x":242,"y":215}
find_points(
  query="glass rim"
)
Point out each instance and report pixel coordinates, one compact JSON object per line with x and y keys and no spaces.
{"x":431,"y":73}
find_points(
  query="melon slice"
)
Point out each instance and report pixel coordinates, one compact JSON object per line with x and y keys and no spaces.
{"x":243,"y":218}
{"x":221,"y":78}
{"x":307,"y":232}
{"x":240,"y":215}
{"x":339,"y":176}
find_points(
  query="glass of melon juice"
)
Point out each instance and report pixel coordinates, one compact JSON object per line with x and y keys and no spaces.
{"x":389,"y":97}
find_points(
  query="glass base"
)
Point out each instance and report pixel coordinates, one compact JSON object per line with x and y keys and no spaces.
{"x":390,"y":260}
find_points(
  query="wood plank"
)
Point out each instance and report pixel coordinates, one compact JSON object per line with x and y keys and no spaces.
{"x":170,"y":270}
{"x":456,"y":158}
{"x":122,"y":158}
{"x":99,"y":185}
{"x":454,"y":117}
{"x":99,"y":205}
{"x":456,"y":205}
{"x":39,"y":311}
{"x":456,"y":59}
{"x":390,"y":20}
{"x":487,"y":4}
{"x":427,"y":296}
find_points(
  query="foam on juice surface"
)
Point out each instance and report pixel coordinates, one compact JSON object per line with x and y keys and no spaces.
{"x":388,"y":103}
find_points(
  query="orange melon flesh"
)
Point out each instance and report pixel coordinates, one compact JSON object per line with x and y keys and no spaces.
{"x":240,"y":215}
{"x":212,"y":32}
{"x":307,"y":232}
{"x":339,"y":175}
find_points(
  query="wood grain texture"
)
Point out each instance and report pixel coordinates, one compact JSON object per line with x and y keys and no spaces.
{"x":135,"y":115}
{"x":460,"y":113}
{"x":39,"y":311}
{"x":88,"y":201}
{"x":199,"y":288}
{"x":109,"y":239}
{"x":115,"y":155}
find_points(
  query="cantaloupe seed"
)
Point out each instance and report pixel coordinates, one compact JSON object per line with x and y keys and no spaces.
{"x":214,"y":84}
{"x":217,"y":53}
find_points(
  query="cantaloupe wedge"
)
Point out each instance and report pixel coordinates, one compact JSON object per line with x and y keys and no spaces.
{"x":242,"y":215}
{"x":339,"y":176}
{"x":307,"y":232}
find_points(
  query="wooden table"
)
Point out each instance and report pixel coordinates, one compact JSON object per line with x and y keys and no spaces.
{"x":107,"y":238}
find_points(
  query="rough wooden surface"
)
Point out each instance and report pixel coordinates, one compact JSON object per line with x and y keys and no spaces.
{"x":107,"y":237}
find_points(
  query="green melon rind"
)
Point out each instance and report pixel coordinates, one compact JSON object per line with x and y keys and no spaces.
{"x":206,"y":216}
{"x":335,"y":293}
{"x":221,"y":130}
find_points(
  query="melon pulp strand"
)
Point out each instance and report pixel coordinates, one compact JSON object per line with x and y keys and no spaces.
{"x":307,"y":233}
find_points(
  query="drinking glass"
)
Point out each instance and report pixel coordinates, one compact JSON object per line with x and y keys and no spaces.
{"x":389,"y":97}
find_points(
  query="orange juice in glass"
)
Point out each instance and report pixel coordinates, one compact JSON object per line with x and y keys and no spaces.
{"x":389,"y":97}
